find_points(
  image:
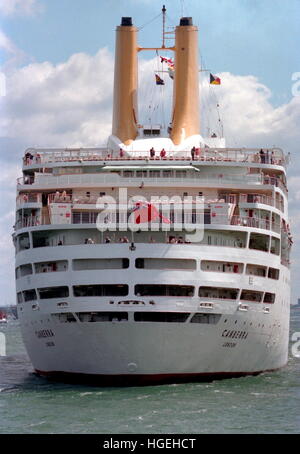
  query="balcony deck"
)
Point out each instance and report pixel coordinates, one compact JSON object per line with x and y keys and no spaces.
{"x":44,"y":181}
{"x":39,"y":157}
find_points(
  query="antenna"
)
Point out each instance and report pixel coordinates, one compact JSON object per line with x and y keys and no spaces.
{"x":182,"y":2}
{"x":164,"y":33}
{"x":164,"y":24}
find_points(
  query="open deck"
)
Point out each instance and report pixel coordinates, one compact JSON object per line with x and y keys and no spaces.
{"x":273,"y":156}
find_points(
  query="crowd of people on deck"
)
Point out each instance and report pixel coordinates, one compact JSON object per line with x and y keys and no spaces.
{"x":264,"y":156}
{"x":123,"y":239}
{"x":29,"y":158}
{"x":177,"y":240}
{"x":171,"y":239}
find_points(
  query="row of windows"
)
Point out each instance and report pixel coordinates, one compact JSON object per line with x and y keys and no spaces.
{"x":148,"y":263}
{"x":147,"y":290}
{"x":162,"y":317}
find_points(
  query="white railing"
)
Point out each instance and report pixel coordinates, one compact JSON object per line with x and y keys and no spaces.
{"x":275,"y":182}
{"x":31,"y":221}
{"x":261,"y":198}
{"x":28,"y":198}
{"x":146,"y":238}
{"x":243,"y":198}
{"x":110,"y":179}
{"x":90,"y":217}
{"x":257,"y":223}
{"x":273,"y":156}
{"x":62,"y":198}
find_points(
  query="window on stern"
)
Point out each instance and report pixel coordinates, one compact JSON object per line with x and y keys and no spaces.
{"x":251,"y":295}
{"x":269,"y":298}
{"x":94,"y":317}
{"x":165,"y":317}
{"x":29,"y":295}
{"x":53,"y":292}
{"x":164,"y":290}
{"x":210,"y":319}
{"x":100,"y":290}
{"x":218,"y":293}
{"x":273,"y":273}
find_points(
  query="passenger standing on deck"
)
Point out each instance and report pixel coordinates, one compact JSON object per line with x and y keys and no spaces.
{"x":193,"y":150}
{"x":262,"y":156}
{"x":163,"y":153}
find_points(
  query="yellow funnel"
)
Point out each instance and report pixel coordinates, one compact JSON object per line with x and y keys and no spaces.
{"x":186,"y":116}
{"x":125,"y":83}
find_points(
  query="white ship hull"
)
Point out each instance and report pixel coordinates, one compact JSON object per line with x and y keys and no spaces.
{"x":123,"y":352}
{"x":108,"y":351}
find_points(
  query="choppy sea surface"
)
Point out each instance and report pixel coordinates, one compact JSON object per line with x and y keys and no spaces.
{"x":268,"y":403}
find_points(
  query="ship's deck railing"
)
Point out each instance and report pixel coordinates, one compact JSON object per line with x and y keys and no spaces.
{"x":31,"y":221}
{"x":274,"y":181}
{"x":108,"y":237}
{"x":258,"y":198}
{"x":130,"y":239}
{"x":257,"y":223}
{"x":113,"y":179}
{"x":218,"y":220}
{"x":170,"y":239}
{"x":89,"y":238}
{"x":243,"y":198}
{"x":273,"y":156}
{"x":28,"y":198}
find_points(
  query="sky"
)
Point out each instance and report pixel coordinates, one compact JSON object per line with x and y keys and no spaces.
{"x":56,"y":78}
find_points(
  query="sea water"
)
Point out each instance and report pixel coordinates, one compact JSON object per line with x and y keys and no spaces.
{"x":266,"y":404}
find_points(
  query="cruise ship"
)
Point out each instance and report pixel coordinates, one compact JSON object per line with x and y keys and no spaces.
{"x":162,"y":257}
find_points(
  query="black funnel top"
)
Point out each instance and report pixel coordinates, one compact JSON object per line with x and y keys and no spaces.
{"x":186,"y":21}
{"x":126,"y":21}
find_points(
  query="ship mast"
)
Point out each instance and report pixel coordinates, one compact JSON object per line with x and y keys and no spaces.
{"x":164,"y":33}
{"x":164,"y":25}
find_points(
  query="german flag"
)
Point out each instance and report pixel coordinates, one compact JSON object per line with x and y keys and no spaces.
{"x":214,"y":80}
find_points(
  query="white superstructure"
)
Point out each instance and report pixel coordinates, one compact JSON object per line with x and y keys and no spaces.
{"x":153,"y":305}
